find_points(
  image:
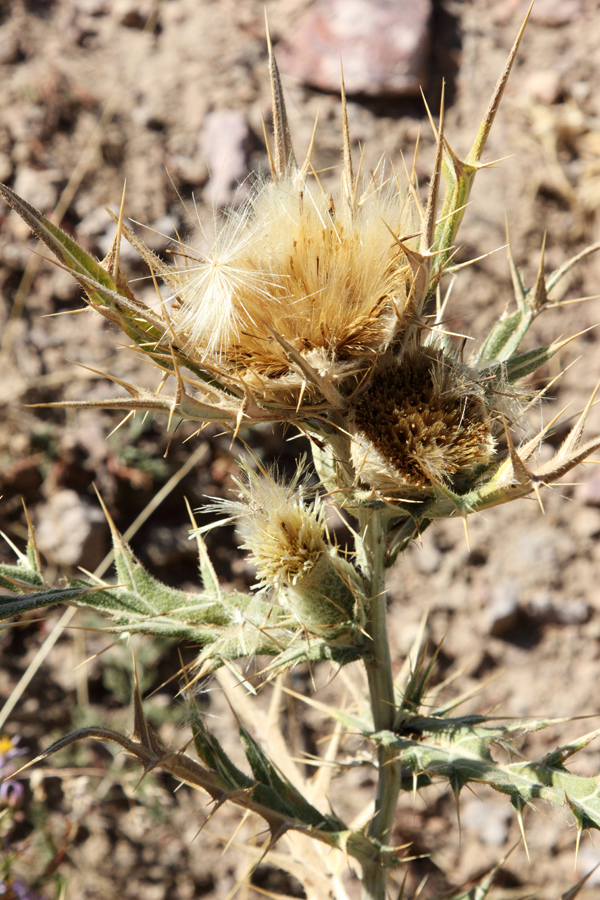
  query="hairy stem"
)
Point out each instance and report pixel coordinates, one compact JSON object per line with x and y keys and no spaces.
{"x":381,"y":690}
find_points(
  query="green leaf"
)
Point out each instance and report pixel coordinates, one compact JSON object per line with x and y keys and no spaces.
{"x":73,"y":256}
{"x":152,"y":597}
{"x":209,"y":576}
{"x":104,"y":293}
{"x":211,"y":753}
{"x":520,"y":366}
{"x":19,"y":577}
{"x":26,"y":574}
{"x":460,"y":751}
{"x":316,"y":650}
{"x":460,"y":175}
{"x":505,"y":337}
{"x":280,"y":793}
{"x":17,"y":604}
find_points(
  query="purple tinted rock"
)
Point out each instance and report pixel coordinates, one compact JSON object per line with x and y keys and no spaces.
{"x":383,"y":45}
{"x":547,"y":12}
{"x":557,"y":12}
{"x":225,"y":146}
{"x":588,"y":489}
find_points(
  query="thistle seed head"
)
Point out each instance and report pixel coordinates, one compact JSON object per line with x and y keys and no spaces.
{"x":297,"y":277}
{"x":421,"y":421}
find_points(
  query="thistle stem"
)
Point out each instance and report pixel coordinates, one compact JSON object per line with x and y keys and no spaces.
{"x":381,"y":690}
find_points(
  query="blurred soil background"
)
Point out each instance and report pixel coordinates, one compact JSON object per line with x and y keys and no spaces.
{"x":169,"y":97}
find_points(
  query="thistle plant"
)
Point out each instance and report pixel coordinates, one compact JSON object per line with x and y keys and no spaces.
{"x":326,"y":313}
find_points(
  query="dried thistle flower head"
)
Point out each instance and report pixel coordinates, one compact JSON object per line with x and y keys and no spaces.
{"x":325,"y":312}
{"x":302,"y":292}
{"x":322,"y":273}
{"x":423,"y":420}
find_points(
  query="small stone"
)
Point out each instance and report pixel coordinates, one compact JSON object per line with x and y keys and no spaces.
{"x":10,"y":52}
{"x":94,"y":222}
{"x":588,"y":490}
{"x":91,"y":7}
{"x":574,"y":611}
{"x":490,"y":820}
{"x":501,"y":613}
{"x":552,"y":13}
{"x":427,"y":558}
{"x":540,"y":608}
{"x":225,"y":148}
{"x":571,"y":611}
{"x":557,"y":12}
{"x":71,"y":531}
{"x":190,"y":170}
{"x":23,"y":123}
{"x":383,"y":45}
{"x":37,"y":186}
{"x":91,"y":437}
{"x":543,"y":87}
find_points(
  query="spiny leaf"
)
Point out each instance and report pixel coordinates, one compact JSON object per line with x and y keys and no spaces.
{"x":212,"y":754}
{"x":19,"y":577}
{"x":280,"y":791}
{"x":27,"y":573}
{"x":506,"y":335}
{"x":223,"y":781}
{"x":142,"y":604}
{"x":73,"y":256}
{"x":575,"y":890}
{"x":15,"y":605}
{"x":154,"y":598}
{"x":518,"y":367}
{"x":460,"y":751}
{"x":315,"y":650}
{"x":209,"y":576}
{"x":459,"y":175}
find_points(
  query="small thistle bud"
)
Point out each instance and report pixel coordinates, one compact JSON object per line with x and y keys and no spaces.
{"x":285,"y":536}
{"x":326,"y":597}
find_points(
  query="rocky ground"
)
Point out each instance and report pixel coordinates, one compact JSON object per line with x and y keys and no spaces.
{"x":169,"y":96}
